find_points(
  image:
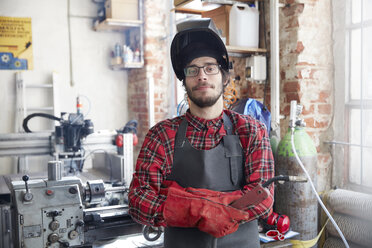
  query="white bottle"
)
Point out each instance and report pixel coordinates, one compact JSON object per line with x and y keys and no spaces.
{"x":243,"y":26}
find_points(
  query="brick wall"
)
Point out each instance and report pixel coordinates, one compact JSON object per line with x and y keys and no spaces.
{"x":156,"y":29}
{"x":306,"y":73}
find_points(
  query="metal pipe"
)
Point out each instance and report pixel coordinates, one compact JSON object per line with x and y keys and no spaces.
{"x":274,"y":65}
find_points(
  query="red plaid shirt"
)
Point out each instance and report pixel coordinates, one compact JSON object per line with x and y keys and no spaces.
{"x":148,"y":188}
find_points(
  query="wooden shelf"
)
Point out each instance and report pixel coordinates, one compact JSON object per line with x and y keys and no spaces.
{"x":245,"y":50}
{"x":114,"y":24}
{"x":131,"y":65}
{"x":199,"y":6}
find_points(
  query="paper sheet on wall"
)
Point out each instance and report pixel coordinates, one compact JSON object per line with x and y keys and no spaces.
{"x":15,"y":43}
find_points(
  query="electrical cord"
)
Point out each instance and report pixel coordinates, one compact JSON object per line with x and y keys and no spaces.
{"x":29,"y":117}
{"x":314,"y":190}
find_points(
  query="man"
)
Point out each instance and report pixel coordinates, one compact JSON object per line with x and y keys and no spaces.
{"x":192,"y":167}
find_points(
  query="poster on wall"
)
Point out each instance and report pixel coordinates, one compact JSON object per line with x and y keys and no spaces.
{"x":15,"y":43}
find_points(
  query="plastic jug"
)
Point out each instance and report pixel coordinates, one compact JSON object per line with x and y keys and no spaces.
{"x":243,"y":26}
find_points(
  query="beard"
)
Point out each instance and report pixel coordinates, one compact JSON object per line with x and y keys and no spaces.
{"x":203,"y":101}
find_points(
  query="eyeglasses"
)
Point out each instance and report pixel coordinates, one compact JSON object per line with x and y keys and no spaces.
{"x":209,"y":69}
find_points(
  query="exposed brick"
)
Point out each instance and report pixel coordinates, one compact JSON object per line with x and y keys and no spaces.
{"x":292,"y":22}
{"x":324,"y":97}
{"x":304,"y":64}
{"x":282,"y":75}
{"x":293,"y":96}
{"x":286,"y":110}
{"x":291,"y":87}
{"x":321,"y":124}
{"x":300,"y":47}
{"x":308,"y":110}
{"x":324,"y":158}
{"x":325,"y":109}
{"x":310,"y":122}
{"x":306,"y":73}
{"x":293,"y":9}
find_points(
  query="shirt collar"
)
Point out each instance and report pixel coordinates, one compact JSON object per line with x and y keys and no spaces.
{"x":200,"y":123}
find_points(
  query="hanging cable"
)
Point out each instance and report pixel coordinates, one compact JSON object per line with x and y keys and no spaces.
{"x":314,"y":190}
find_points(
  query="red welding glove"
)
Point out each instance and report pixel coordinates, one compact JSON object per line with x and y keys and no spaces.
{"x":218,"y":219}
{"x":176,"y":211}
{"x":205,"y":209}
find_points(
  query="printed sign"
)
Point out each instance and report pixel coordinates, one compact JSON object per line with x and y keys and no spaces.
{"x":15,"y":43}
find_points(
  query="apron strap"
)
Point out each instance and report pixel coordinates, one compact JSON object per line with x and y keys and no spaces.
{"x":181,"y":134}
{"x":227,"y":124}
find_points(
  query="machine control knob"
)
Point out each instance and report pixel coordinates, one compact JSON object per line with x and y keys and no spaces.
{"x":54,"y":225}
{"x":28,"y":196}
{"x":73,"y":190}
{"x":73,"y":234}
{"x":80,"y":223}
{"x":53,"y":238}
{"x":53,"y":213}
{"x":25,"y":178}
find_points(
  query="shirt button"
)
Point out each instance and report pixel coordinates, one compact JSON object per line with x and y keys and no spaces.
{"x":210,"y":136}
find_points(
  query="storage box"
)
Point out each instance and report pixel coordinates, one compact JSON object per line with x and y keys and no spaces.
{"x":122,"y":9}
{"x":220,"y":17}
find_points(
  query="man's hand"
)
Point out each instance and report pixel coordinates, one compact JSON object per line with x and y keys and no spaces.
{"x":205,"y":209}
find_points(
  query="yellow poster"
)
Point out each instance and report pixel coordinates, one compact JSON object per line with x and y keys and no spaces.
{"x":15,"y":43}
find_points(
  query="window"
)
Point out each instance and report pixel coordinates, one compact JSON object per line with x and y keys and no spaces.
{"x":353,"y":89}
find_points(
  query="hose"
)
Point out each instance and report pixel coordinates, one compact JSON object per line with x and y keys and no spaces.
{"x":314,"y":190}
{"x":29,"y":117}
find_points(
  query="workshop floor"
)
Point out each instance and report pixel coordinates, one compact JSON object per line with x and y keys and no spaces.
{"x":130,"y":241}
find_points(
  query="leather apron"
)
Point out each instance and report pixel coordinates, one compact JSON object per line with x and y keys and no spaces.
{"x":220,"y":169}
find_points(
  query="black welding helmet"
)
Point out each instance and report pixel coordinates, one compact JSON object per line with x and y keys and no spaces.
{"x":197,"y":38}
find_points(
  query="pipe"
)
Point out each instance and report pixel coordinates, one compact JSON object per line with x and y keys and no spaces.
{"x":151,"y":102}
{"x":274,"y":65}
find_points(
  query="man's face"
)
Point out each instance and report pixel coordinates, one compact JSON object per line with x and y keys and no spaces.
{"x":204,"y":90}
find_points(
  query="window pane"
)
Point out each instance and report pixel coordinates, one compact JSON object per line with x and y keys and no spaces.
{"x":355,"y":11}
{"x":367,"y":127}
{"x":367,"y":62}
{"x":354,"y":126}
{"x":367,"y":167}
{"x":354,"y":165}
{"x":367,"y":10}
{"x":355,"y":64}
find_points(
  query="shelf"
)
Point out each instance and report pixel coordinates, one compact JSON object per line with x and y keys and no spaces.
{"x":132,"y":65}
{"x":200,"y":6}
{"x":115,"y":24}
{"x":244,"y":50}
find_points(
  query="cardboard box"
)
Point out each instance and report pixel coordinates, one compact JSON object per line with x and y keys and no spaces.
{"x":220,"y":17}
{"x":122,"y":9}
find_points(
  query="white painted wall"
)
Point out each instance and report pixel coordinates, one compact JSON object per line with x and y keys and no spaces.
{"x":106,"y":89}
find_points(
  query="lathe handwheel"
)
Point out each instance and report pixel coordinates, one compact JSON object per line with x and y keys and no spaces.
{"x":149,"y":231}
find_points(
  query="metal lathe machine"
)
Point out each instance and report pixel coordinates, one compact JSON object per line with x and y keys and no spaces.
{"x":66,"y":206}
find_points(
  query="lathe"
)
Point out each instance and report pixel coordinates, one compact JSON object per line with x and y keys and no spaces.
{"x":67,"y":207}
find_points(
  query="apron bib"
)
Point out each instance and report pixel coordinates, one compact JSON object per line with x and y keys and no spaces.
{"x":219,"y":169}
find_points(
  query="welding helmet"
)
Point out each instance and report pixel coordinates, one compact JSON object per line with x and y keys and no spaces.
{"x":197,"y":38}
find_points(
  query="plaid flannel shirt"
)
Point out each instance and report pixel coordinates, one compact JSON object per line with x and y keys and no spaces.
{"x":148,"y":188}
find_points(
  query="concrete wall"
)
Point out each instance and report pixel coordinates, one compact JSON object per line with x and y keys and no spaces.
{"x":91,"y":76}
